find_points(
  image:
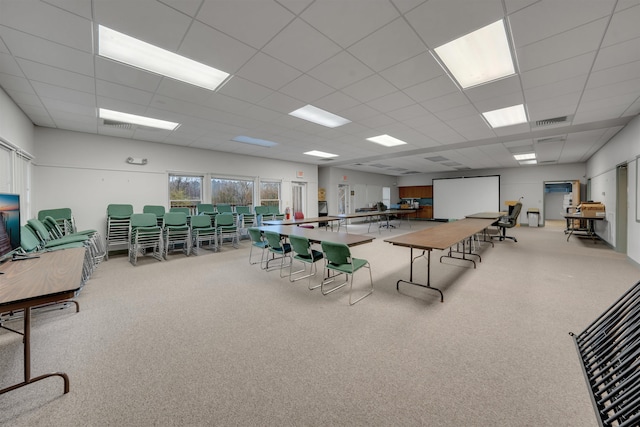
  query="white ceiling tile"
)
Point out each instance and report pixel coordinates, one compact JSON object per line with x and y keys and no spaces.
{"x":295,"y":6}
{"x":47,"y":52}
{"x":123,"y":93}
{"x":618,"y":54}
{"x":147,"y":20}
{"x":62,"y":94}
{"x":56,"y":76}
{"x":562,"y":87}
{"x":301,"y":46}
{"x":571,"y":43}
{"x":307,"y":89}
{"x":183,"y":91}
{"x":190,"y":7}
{"x":8,"y":65}
{"x":445,"y":102}
{"x":440,"y":21}
{"x":254,"y":22}
{"x":432,"y":89}
{"x":340,"y":71}
{"x":24,"y":98}
{"x":623,"y":27}
{"x":414,"y":70}
{"x":343,"y":21}
{"x":10,"y":82}
{"x":77,"y":7}
{"x":267,"y":71}
{"x":549,"y":17}
{"x":118,"y":73}
{"x":621,"y":73}
{"x":45,"y":21}
{"x":282,"y":103}
{"x":213,"y":48}
{"x":369,"y":88}
{"x":244,"y":90}
{"x":391,"y":102}
{"x":336,"y":102}
{"x":561,"y":70}
{"x":390,"y":45}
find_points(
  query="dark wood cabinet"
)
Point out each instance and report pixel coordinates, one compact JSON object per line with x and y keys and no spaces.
{"x":419,"y":192}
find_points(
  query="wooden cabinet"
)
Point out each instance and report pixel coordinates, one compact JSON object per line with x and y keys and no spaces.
{"x":419,"y":192}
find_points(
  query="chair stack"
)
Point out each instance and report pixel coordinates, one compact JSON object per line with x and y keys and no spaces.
{"x":157,"y":210}
{"x":118,"y":225}
{"x":176,"y":233}
{"x":144,"y":237}
{"x":202,"y":232}
{"x":227,"y":228}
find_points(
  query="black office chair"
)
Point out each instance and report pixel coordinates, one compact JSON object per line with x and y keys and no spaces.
{"x":508,"y":221}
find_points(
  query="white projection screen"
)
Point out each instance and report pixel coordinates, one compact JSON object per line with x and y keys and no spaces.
{"x":454,"y":198}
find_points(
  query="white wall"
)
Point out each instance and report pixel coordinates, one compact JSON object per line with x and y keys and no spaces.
{"x":622,"y":148}
{"x":367,"y":187}
{"x":15,"y":128}
{"x":526,"y":181}
{"x":87,"y":172}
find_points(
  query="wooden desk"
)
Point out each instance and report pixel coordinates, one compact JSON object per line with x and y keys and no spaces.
{"x":439,"y":237}
{"x":588,"y":229}
{"x":54,"y":276}
{"x":317,"y":236}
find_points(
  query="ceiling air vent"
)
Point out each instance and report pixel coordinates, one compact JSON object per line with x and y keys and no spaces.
{"x":551,"y":139}
{"x":552,"y":121}
{"x":410,"y":172}
{"x":116,"y":124}
{"x":436,"y":158}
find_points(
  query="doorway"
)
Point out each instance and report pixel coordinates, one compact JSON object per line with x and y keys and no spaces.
{"x":299,"y":197}
{"x":621,"y":208}
{"x":343,"y":198}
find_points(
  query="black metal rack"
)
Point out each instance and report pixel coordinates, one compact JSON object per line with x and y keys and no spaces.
{"x":609,"y":351}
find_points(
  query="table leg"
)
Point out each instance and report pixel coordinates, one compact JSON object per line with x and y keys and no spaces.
{"x":27,"y":360}
{"x":411,"y":282}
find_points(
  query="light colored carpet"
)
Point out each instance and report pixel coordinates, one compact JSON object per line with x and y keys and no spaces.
{"x":212,"y":340}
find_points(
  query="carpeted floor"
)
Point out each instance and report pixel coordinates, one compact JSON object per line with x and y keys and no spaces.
{"x":211,"y":340}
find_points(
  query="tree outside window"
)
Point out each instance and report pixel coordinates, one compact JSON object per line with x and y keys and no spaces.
{"x":270,"y":193}
{"x":237,"y":192}
{"x":185,"y":191}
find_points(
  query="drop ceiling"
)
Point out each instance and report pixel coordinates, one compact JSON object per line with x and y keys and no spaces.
{"x":370,"y":61}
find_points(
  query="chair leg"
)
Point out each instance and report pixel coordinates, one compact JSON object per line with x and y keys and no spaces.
{"x":368,"y":267}
{"x":312,"y":272}
{"x":330,"y":279}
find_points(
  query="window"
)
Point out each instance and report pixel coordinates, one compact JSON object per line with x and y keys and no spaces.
{"x":270,"y":193}
{"x":185,"y":191}
{"x":237,"y":192}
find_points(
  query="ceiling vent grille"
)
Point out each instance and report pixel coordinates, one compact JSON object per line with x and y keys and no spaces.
{"x":551,"y":139}
{"x":116,"y":124}
{"x":551,"y":121}
{"x":410,"y":172}
{"x":436,"y":158}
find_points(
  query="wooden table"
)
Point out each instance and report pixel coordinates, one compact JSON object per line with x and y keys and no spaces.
{"x":582,"y":216}
{"x":318,"y":236}
{"x":52,"y":277}
{"x":440,"y":237}
{"x":300,"y":221}
{"x":371,"y":214}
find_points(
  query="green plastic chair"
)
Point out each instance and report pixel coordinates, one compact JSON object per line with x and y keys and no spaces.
{"x":118,"y":224}
{"x":157,"y":210}
{"x":205,"y":208}
{"x":247,"y":217}
{"x":145,"y":237}
{"x":279,"y":250}
{"x":223,"y":208}
{"x":338,"y":260}
{"x":176,"y":233}
{"x":203,"y":232}
{"x":227,"y":227}
{"x":304,"y":253}
{"x":257,"y":241}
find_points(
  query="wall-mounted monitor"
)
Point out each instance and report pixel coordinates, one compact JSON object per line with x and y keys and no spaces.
{"x":9,"y":224}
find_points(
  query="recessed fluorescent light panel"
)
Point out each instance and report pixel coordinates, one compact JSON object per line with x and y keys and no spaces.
{"x":320,"y":154}
{"x":525,"y":156}
{"x":136,"y":120}
{"x":254,"y":141}
{"x":529,"y":162}
{"x":479,"y":57}
{"x":131,"y":51}
{"x":509,"y":116}
{"x":319,"y":116}
{"x":386,"y":140}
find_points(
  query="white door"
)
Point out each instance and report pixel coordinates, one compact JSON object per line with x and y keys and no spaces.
{"x":298,"y":197}
{"x":343,"y":199}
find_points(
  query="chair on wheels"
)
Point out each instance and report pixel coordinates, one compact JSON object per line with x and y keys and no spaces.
{"x":278,"y":248}
{"x":203,"y":232}
{"x":145,"y":236}
{"x":257,"y":241}
{"x":508,"y":221}
{"x":176,"y":233}
{"x":302,"y":252}
{"x":337,"y":259}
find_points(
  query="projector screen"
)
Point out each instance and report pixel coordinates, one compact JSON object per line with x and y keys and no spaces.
{"x":454,"y":198}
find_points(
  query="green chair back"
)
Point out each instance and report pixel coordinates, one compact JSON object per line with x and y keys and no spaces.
{"x":223,"y":208}
{"x":205,"y":208}
{"x":29,"y":242}
{"x":157,"y":210}
{"x":119,"y":211}
{"x":256,"y":237}
{"x":175,"y":219}
{"x":300,"y":245}
{"x":261,"y":210}
{"x":338,"y":255}
{"x":57,"y":214}
{"x":273,"y":210}
{"x":185,"y":211}
{"x":201,"y":221}
{"x":225,"y":220}
{"x":275,"y":242}
{"x":244,"y":210}
{"x":143,"y":220}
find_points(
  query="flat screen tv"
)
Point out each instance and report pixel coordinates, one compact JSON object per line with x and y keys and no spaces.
{"x":9,"y":224}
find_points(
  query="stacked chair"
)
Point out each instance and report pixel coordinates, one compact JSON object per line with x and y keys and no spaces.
{"x":118,"y":225}
{"x":227,"y":228}
{"x":262,"y":213}
{"x":144,"y":237}
{"x":157,"y":210}
{"x":274,"y":211}
{"x":176,"y":233}
{"x":203,"y":232}
{"x":246,"y":218}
